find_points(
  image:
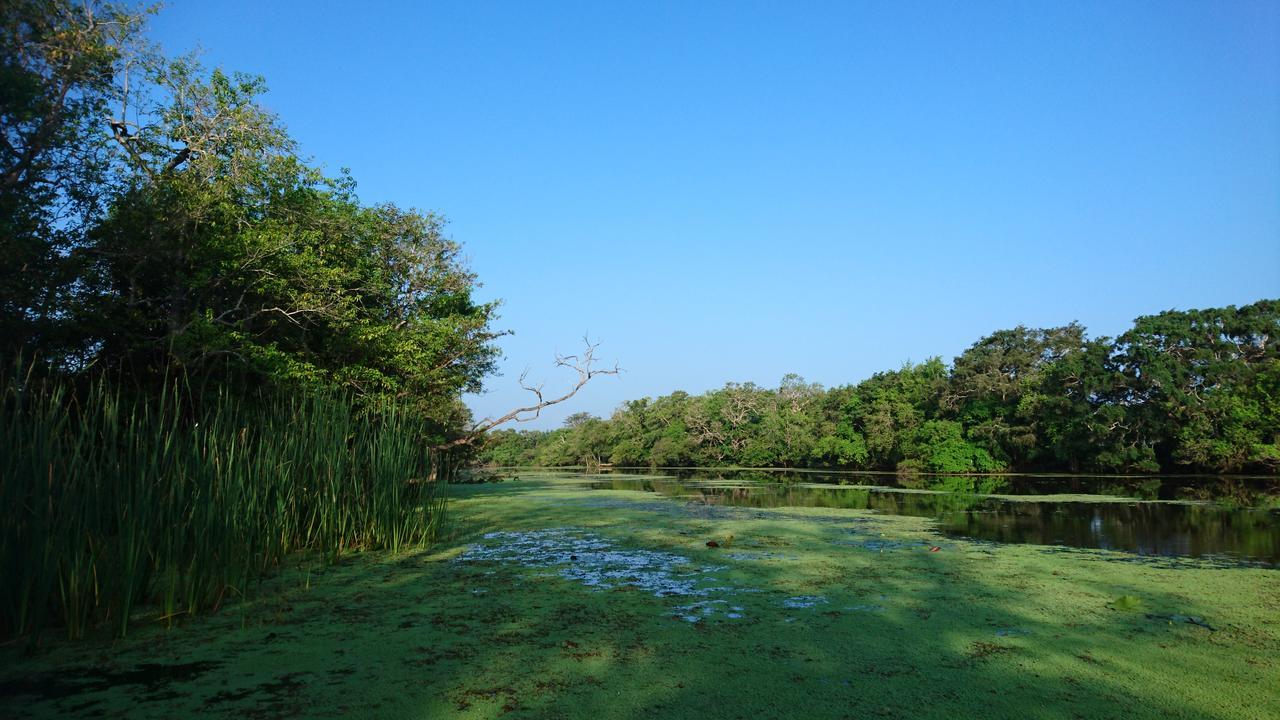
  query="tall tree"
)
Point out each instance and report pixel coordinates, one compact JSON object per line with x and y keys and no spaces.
{"x":991,"y":380}
{"x":58,"y":74}
{"x":156,"y":219}
{"x":1199,"y":385}
{"x":226,"y":256}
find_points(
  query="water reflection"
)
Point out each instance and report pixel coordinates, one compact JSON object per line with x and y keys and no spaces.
{"x":1232,"y":518}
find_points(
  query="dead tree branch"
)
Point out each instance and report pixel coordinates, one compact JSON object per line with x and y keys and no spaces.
{"x":582,"y":364}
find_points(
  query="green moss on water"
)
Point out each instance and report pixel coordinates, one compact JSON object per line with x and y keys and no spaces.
{"x":839,"y":613}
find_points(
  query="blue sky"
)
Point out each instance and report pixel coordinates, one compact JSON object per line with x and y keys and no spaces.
{"x":735,"y":191}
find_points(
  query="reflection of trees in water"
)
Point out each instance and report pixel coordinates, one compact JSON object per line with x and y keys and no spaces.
{"x":1225,"y":490}
{"x":1146,"y":528}
{"x":1143,"y":489}
{"x":962,"y":506}
{"x":1234,"y":492}
{"x":965,"y":484}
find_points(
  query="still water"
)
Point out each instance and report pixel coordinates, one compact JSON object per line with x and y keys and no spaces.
{"x":1234,"y":519}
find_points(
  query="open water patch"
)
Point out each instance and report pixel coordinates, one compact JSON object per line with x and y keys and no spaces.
{"x":1227,"y":522}
{"x":596,"y":563}
{"x":682,"y":507}
{"x":705,"y":609}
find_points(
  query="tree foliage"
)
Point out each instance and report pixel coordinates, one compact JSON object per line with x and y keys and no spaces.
{"x":1182,"y":391}
{"x":58,"y":62}
{"x":161,"y":221}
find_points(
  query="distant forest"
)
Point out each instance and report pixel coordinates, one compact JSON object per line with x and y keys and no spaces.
{"x":1182,"y":391}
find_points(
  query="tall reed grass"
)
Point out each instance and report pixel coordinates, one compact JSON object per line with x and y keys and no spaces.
{"x":109,"y":502}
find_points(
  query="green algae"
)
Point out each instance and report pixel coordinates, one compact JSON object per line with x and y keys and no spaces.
{"x":576,"y":605}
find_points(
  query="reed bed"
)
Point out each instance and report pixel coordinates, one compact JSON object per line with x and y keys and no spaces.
{"x":109,"y":503}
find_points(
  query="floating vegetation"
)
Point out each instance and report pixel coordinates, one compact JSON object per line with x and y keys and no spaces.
{"x":596,"y":563}
{"x":880,"y":544}
{"x":924,"y":635}
{"x":1183,"y":619}
{"x":760,"y":555}
{"x":1127,"y":603}
{"x":699,"y":611}
{"x":152,"y":678}
{"x":1059,"y":513}
{"x":803,"y":601}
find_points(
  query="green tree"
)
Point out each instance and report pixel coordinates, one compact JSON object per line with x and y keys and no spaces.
{"x":939,"y":446}
{"x":156,"y":220}
{"x":225,"y":256}
{"x":58,"y":74}
{"x":888,"y":408}
{"x":510,"y":448}
{"x":1080,"y":424}
{"x":579,"y":419}
{"x":1199,"y":385}
{"x":1197,"y":390}
{"x":990,"y":381}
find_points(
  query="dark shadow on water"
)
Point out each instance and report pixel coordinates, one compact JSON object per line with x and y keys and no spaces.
{"x":153,"y":680}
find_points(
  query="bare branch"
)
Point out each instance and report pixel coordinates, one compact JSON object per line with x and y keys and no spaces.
{"x":120,"y":131}
{"x":582,"y":364}
{"x":177,"y":160}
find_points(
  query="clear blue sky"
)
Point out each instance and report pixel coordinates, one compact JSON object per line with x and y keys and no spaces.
{"x":736,"y":191}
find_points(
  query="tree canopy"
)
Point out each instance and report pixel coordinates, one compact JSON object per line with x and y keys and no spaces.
{"x":1181,"y":391}
{"x":158,"y":220}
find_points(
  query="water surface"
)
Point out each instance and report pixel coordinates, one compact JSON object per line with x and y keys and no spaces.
{"x":1235,"y":519}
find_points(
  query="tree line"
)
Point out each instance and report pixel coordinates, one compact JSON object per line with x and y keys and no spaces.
{"x":1180,"y":391}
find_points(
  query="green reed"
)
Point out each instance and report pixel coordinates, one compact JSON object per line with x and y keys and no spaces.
{"x":109,"y":503}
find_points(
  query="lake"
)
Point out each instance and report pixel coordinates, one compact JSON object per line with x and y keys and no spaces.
{"x":1232,"y":519}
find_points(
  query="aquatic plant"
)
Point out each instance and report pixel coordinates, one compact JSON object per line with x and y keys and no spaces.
{"x":1127,"y":603}
{"x":108,"y":502}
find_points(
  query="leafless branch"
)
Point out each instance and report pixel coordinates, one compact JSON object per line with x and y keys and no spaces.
{"x":582,"y":364}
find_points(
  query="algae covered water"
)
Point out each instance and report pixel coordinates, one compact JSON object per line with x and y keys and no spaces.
{"x":548,"y":598}
{"x":1229,"y":519}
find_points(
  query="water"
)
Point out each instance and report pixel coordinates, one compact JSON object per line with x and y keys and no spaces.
{"x":1236,"y":519}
